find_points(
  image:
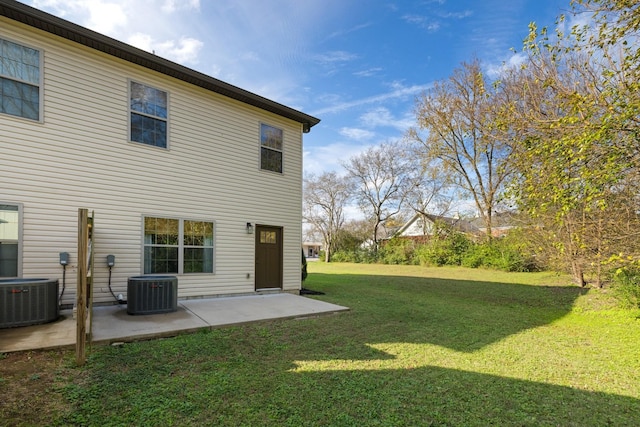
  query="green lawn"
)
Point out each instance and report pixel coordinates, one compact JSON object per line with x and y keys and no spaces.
{"x":419,"y":347}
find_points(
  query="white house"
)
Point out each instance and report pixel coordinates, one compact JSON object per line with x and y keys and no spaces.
{"x":177,"y":167}
{"x":423,"y":225}
{"x":311,"y":249}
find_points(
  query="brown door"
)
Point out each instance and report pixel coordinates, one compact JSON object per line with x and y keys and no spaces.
{"x":268,"y":257}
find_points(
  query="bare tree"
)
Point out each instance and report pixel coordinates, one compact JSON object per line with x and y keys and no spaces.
{"x":325,"y":198}
{"x":430,"y":193}
{"x":383,"y":177}
{"x":462,"y":139}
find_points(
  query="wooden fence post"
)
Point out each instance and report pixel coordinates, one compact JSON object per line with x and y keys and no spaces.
{"x":81,"y":285}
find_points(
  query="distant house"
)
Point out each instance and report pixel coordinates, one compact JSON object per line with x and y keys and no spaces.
{"x":502,"y":222}
{"x":425,"y":225}
{"x":187,"y":175}
{"x":311,"y":249}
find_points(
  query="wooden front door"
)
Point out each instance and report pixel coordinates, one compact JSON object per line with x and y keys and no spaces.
{"x":268,"y":257}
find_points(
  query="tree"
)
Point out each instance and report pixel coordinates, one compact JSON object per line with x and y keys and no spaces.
{"x":325,"y":198}
{"x":462,"y":140}
{"x":382,"y":177}
{"x":575,"y":140}
{"x":353,"y":234}
{"x":430,"y":192}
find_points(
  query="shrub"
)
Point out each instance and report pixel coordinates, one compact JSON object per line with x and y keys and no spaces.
{"x":355,"y":256}
{"x":397,"y":251}
{"x":447,"y":250}
{"x":626,"y":287}
{"x":475,"y":256}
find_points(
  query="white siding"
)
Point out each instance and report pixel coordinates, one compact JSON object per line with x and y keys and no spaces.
{"x":418,"y":226}
{"x":80,"y":157}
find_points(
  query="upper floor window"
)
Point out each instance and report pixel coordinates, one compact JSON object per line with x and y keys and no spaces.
{"x":9,"y":240}
{"x":19,"y":80}
{"x":270,"y":148}
{"x":148,"y":108}
{"x":177,"y":246}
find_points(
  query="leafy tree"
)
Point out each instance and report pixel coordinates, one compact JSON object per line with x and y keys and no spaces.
{"x":462,"y":140}
{"x":325,"y":198}
{"x":575,"y":141}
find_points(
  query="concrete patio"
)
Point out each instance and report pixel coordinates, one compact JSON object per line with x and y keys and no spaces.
{"x":113,"y":324}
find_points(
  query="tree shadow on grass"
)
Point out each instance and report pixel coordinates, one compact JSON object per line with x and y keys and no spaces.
{"x":439,"y":396}
{"x":458,"y":314}
{"x":325,"y":371}
{"x":233,"y":385}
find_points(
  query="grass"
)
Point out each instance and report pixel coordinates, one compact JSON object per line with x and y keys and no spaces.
{"x":419,"y":346}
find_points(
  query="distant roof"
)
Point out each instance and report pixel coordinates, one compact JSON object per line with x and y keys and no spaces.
{"x":70,"y":31}
{"x":457,"y":223}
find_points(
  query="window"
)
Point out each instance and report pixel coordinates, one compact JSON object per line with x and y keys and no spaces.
{"x":10,"y":219}
{"x":19,"y":80}
{"x":268,"y":237}
{"x":177,"y":246}
{"x":148,"y":115}
{"x":270,"y":148}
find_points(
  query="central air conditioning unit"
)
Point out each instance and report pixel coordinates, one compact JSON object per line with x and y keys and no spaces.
{"x":26,"y":302}
{"x":152,"y":294}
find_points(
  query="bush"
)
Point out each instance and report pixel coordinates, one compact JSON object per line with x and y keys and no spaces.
{"x":448,"y":250}
{"x":397,"y":251}
{"x":475,"y":256}
{"x":626,"y":287}
{"x":503,"y":254}
{"x":356,"y":256}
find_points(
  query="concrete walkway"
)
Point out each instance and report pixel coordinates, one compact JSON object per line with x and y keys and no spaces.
{"x":113,"y":324}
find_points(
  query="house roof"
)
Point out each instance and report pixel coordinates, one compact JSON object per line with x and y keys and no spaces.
{"x":70,"y":31}
{"x":457,"y":223}
{"x":506,"y":219}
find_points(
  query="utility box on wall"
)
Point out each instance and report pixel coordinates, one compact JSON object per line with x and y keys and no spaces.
{"x":152,"y":294}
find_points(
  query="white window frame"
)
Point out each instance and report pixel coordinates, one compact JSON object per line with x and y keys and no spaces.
{"x":19,"y":241}
{"x":131,"y":111}
{"x":262,"y":146}
{"x":180,"y":246}
{"x":40,"y":84}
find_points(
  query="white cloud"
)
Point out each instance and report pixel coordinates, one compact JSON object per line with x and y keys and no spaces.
{"x":170,"y":6}
{"x":184,"y":50}
{"x":335,"y":56}
{"x":329,"y":157}
{"x":105,"y":17}
{"x":141,"y":41}
{"x":382,"y":117}
{"x":423,"y":22}
{"x":356,"y":134}
{"x":494,"y":70}
{"x":398,"y":91}
{"x":457,"y":15}
{"x":342,"y":33}
{"x":368,"y":72}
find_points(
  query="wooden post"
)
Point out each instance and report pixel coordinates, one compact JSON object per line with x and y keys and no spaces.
{"x":81,"y":285}
{"x":89,"y":294}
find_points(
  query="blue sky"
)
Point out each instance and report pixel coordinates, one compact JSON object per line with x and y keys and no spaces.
{"x":358,"y":65}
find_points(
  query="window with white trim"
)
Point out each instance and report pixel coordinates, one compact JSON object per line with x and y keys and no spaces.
{"x":271,"y":139}
{"x":10,"y":224}
{"x":148,"y":115}
{"x":19,"y":80}
{"x":178,"y":246}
